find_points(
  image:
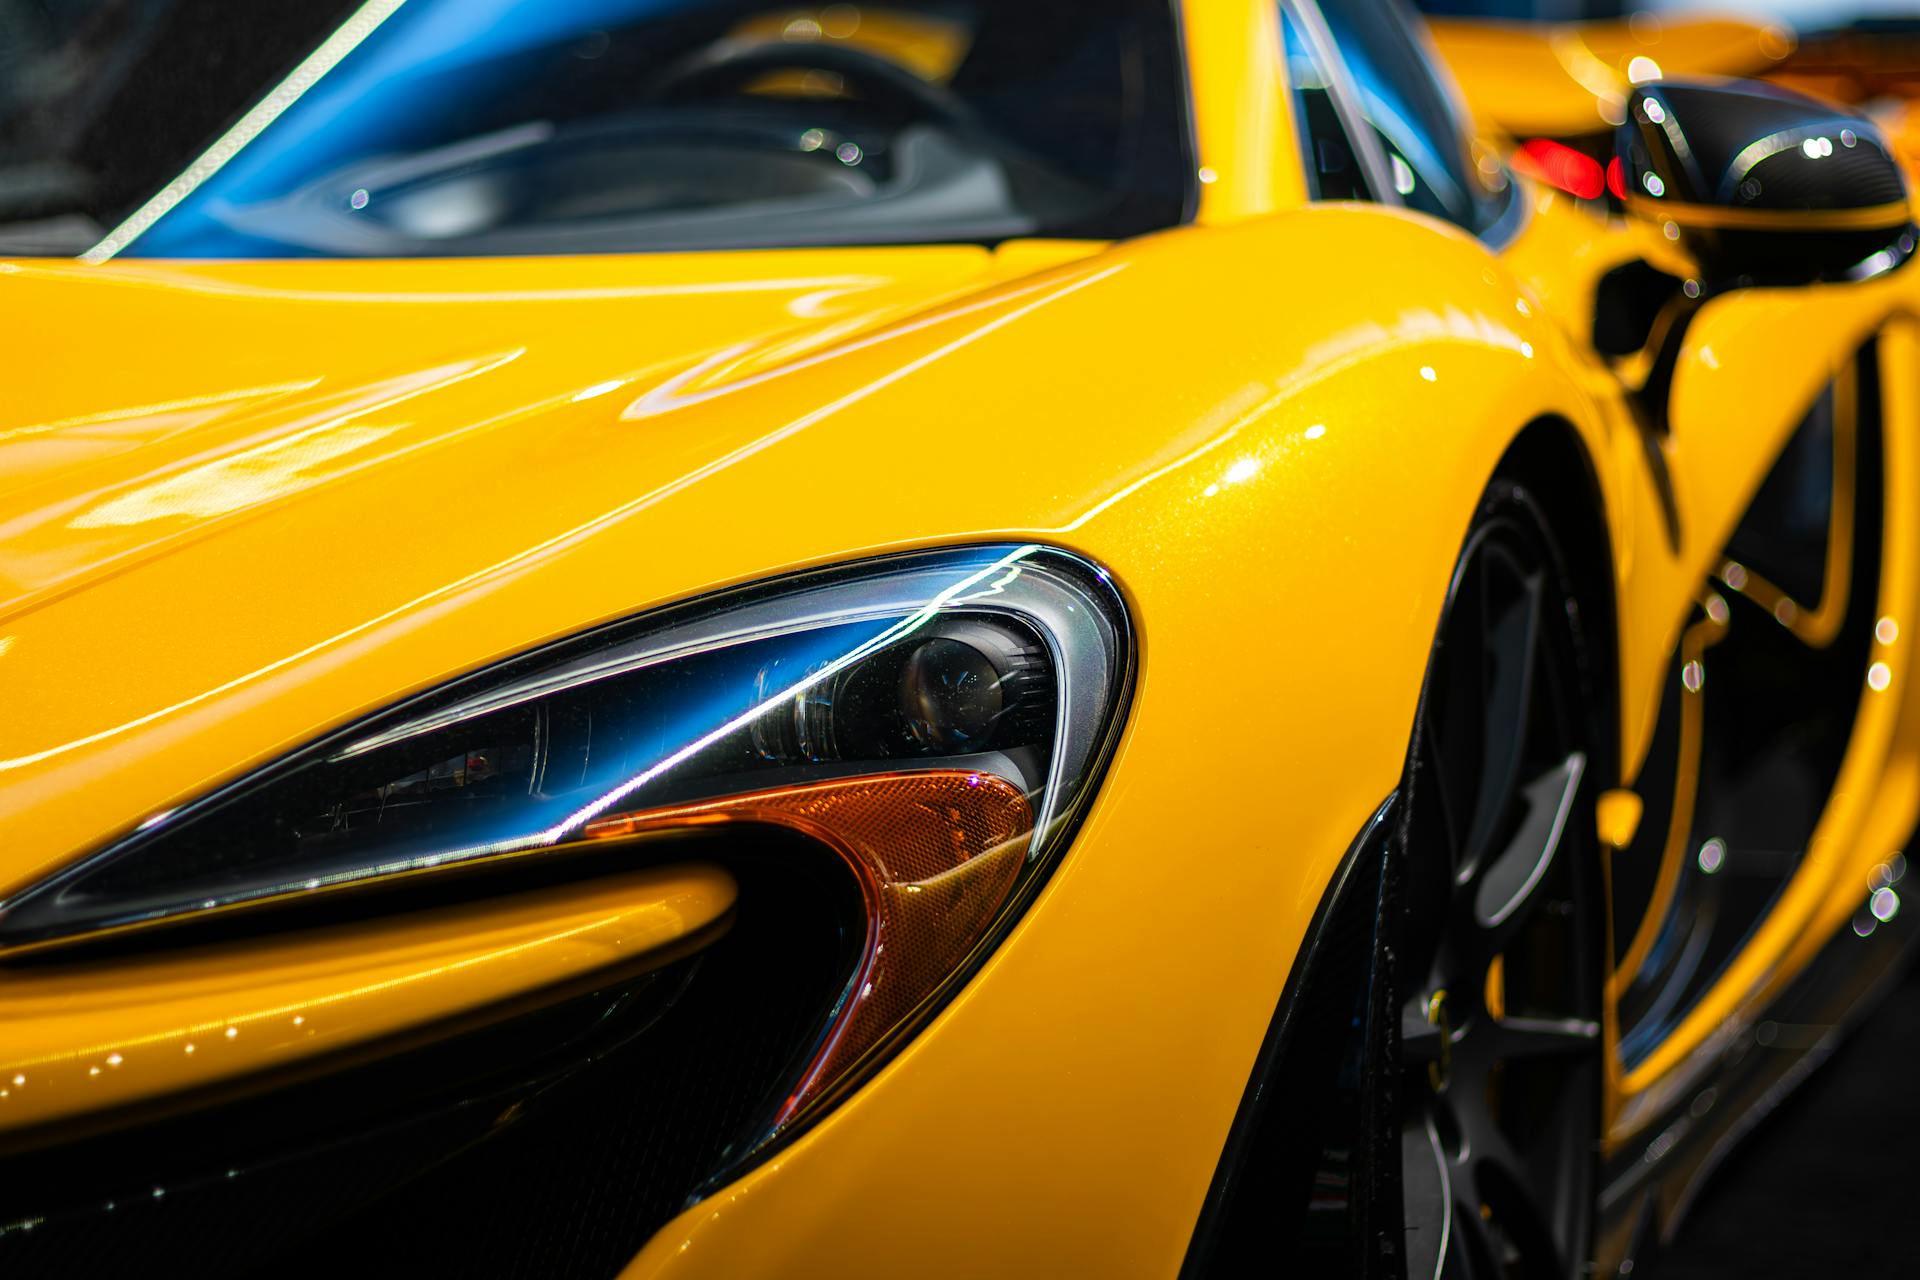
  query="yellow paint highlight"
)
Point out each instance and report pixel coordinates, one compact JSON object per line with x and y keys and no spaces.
{"x":1617,"y":816}
{"x":191,"y":1018}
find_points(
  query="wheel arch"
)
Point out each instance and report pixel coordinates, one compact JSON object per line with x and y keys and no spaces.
{"x":1550,"y":461}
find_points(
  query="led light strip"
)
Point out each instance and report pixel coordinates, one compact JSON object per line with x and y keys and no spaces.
{"x":365,"y":21}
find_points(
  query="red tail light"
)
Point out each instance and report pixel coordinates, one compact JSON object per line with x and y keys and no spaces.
{"x":1559,"y":165}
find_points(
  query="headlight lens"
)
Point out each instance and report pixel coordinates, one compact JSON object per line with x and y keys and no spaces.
{"x":937,"y":720}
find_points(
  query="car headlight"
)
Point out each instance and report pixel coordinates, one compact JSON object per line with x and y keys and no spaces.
{"x":937,"y":720}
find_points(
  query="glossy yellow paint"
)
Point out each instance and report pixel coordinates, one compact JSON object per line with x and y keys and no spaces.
{"x":87,"y":1036}
{"x":1242,"y":114}
{"x":1818,"y":622}
{"x":1694,"y":643}
{"x":1637,"y":1098}
{"x":1617,"y":814}
{"x":1752,"y":363}
{"x":245,"y":503}
{"x":1718,"y":428}
{"x":1875,"y":801}
{"x":527,"y":500}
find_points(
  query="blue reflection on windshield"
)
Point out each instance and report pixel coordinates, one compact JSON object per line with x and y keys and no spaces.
{"x":426,"y":65}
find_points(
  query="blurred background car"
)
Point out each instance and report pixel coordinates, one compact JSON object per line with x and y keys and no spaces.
{"x":1552,"y":75}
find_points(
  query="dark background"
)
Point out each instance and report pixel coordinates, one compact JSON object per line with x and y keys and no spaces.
{"x":1827,"y":1185}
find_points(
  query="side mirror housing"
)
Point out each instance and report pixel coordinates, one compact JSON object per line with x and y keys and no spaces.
{"x":1764,"y":187}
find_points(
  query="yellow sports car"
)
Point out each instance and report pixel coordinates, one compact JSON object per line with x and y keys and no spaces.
{"x":936,"y":638}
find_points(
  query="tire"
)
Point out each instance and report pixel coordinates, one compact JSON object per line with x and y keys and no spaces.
{"x":1483,"y":1107}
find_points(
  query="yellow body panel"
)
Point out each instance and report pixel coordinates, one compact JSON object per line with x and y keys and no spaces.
{"x":245,"y":503}
{"x":80,"y":1037}
{"x":1242,"y":114}
{"x":1876,"y":800}
{"x":1189,"y":467}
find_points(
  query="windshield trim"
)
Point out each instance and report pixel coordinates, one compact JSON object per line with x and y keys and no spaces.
{"x":345,"y":39}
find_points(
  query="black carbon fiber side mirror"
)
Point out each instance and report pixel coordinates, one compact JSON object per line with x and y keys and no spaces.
{"x":1761,"y":186}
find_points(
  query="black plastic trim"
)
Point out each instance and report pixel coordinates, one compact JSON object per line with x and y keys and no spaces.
{"x":1374,"y":840}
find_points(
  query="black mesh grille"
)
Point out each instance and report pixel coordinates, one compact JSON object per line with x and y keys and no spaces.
{"x":553,"y":1144}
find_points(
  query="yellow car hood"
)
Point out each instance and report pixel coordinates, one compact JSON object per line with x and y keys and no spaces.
{"x":153,"y":405}
{"x":215,"y":474}
{"x":244,"y":504}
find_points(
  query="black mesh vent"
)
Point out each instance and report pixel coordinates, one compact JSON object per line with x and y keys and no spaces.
{"x":552,"y":1144}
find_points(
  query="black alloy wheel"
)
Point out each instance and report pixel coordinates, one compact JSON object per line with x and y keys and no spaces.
{"x":1485,"y":1002}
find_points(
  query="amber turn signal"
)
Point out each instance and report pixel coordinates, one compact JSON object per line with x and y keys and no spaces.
{"x":935,"y":851}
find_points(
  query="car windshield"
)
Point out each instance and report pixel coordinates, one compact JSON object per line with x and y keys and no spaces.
{"x":402,"y":128}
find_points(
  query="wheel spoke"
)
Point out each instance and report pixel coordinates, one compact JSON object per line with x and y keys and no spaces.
{"x":1453,"y":727}
{"x":1497,"y":1110}
{"x":1512,"y":637}
{"x":1569,"y":1141}
{"x":1427,"y":1192}
{"x":1502,"y":1192}
{"x":1475,"y":1251}
{"x":1504,"y":886}
{"x":1422,"y":1041}
{"x":1512,"y":1038}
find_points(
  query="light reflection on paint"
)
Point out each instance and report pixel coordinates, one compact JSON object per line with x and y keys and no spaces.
{"x":653,"y":497}
{"x":240,"y":480}
{"x":277,"y":467}
{"x":524,"y":959}
{"x":684,"y":389}
{"x":597,"y":390}
{"x":185,"y":404}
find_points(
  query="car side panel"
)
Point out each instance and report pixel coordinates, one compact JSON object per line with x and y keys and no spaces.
{"x":1286,"y":551}
{"x":1876,"y":798}
{"x":1153,"y":406}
